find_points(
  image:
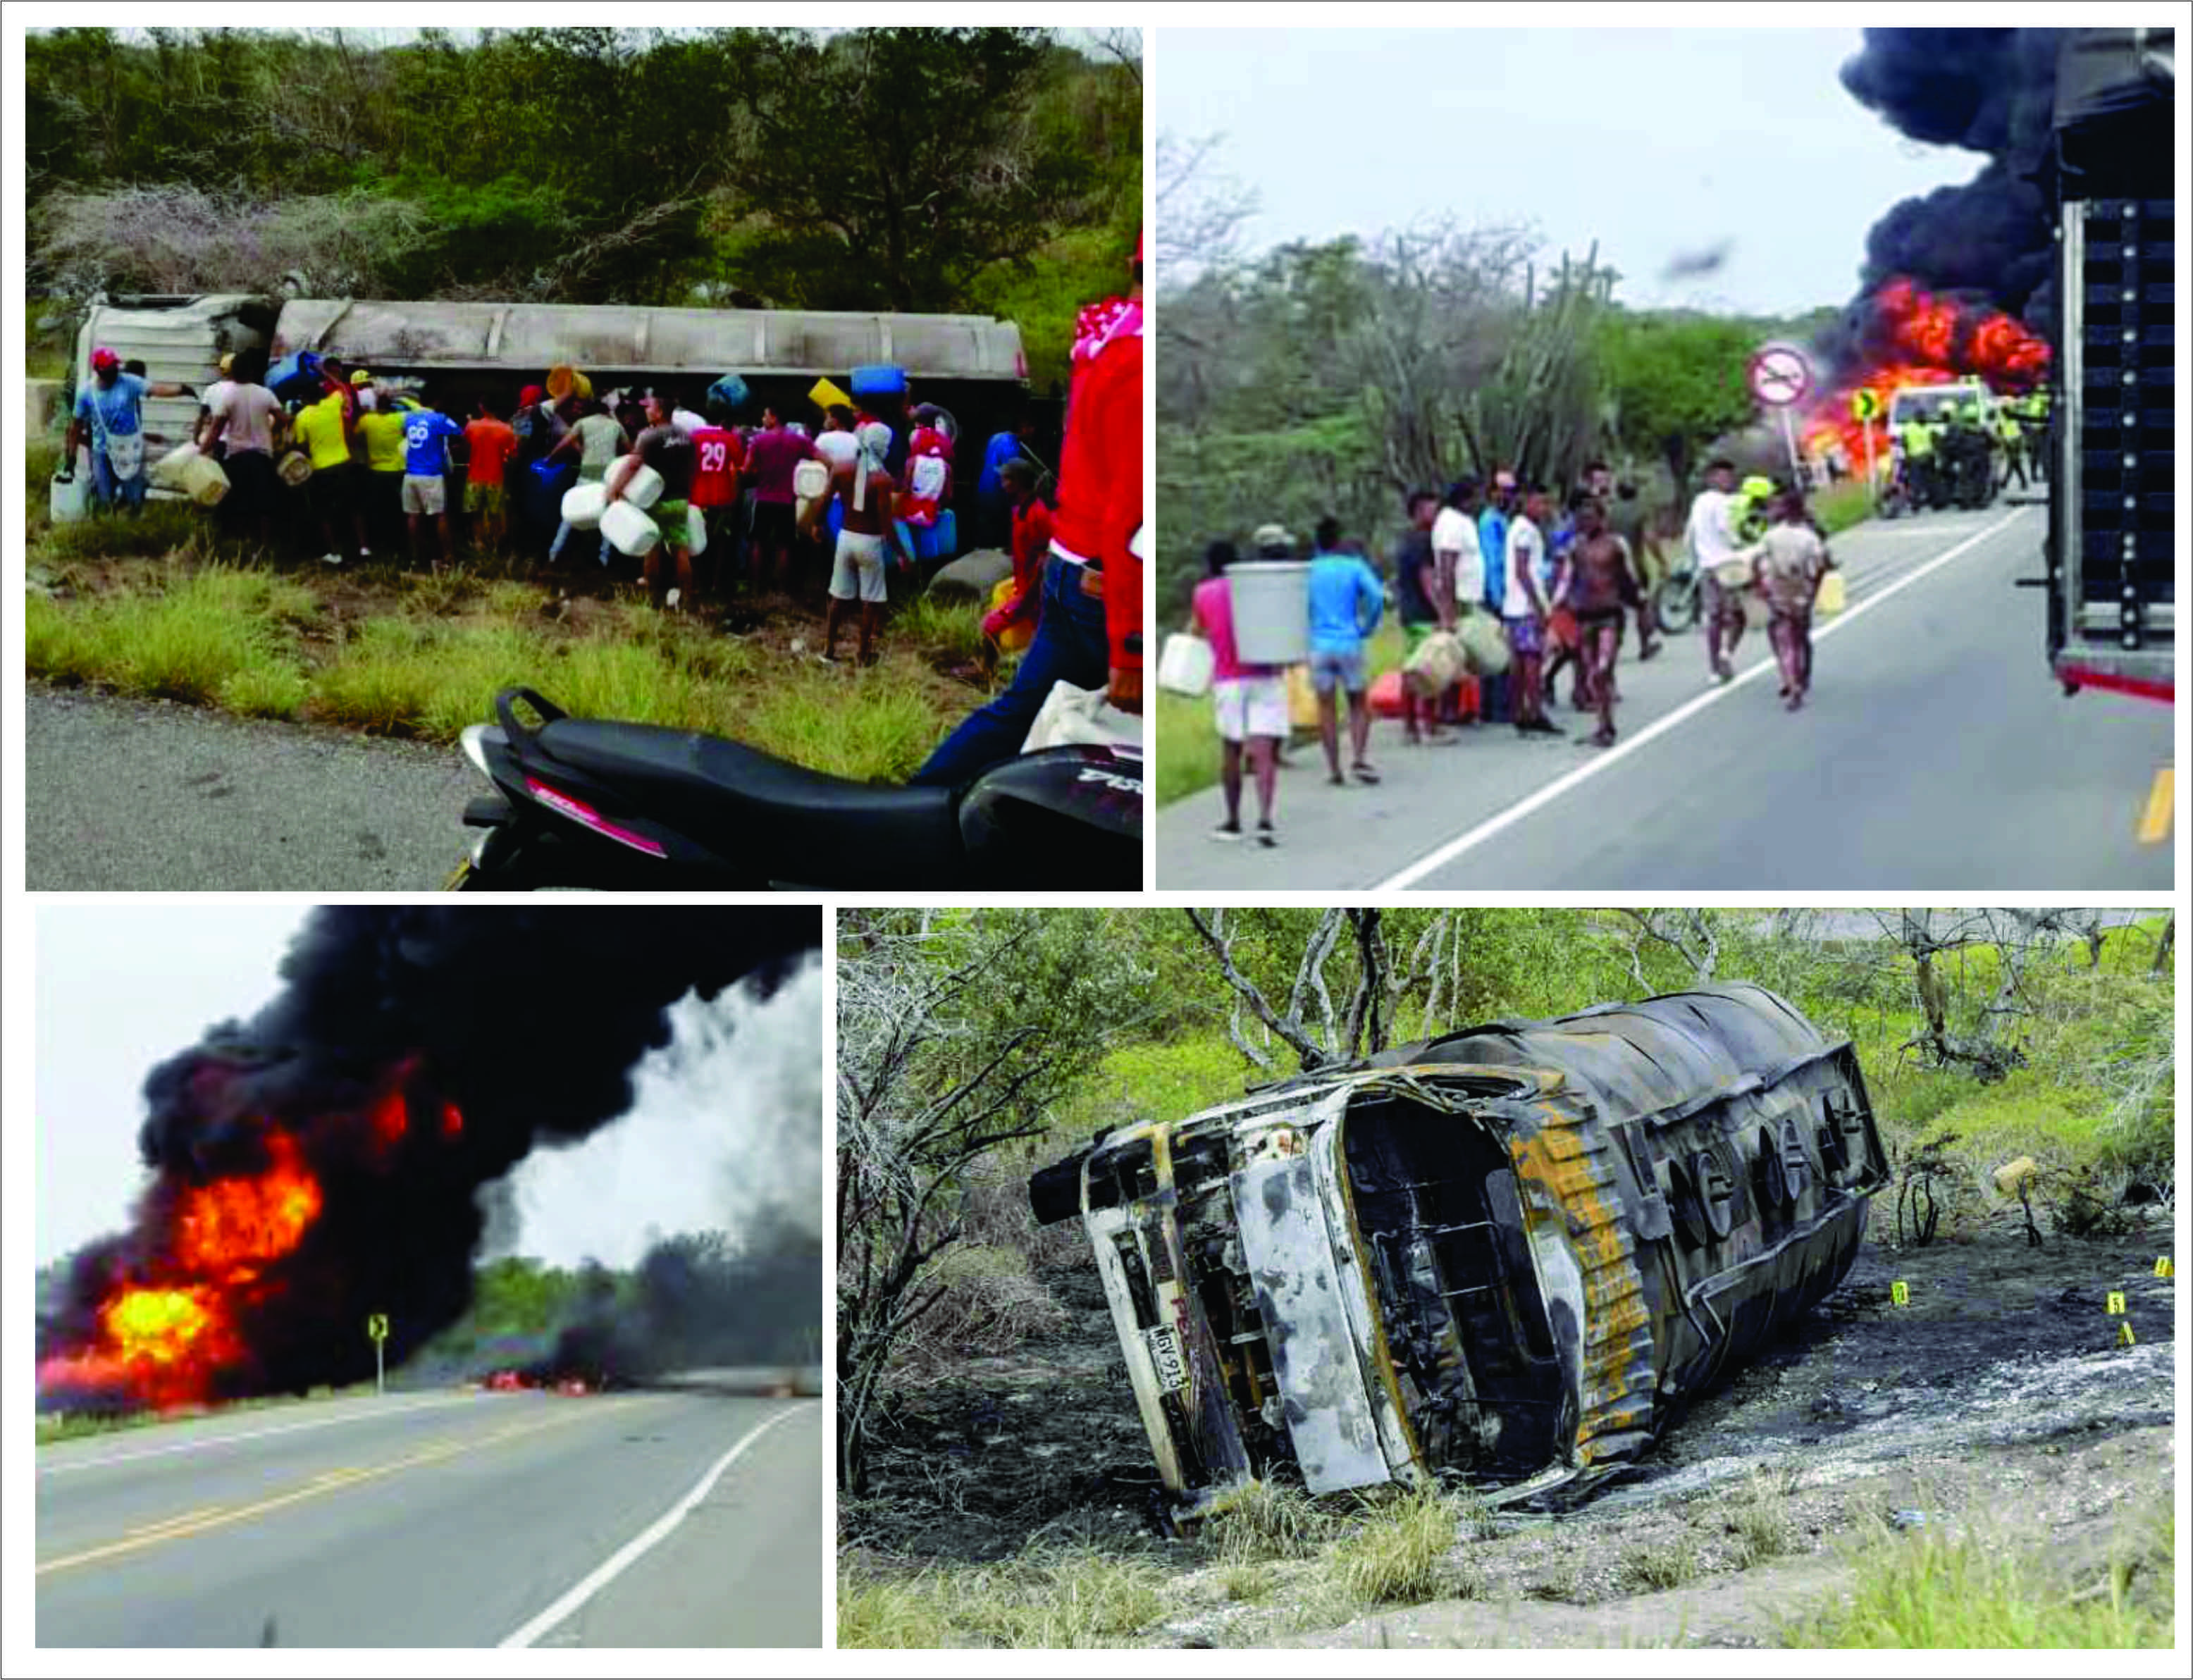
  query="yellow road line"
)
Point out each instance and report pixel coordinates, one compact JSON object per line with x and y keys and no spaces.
{"x":199,"y":1514}
{"x":2155,"y":821}
{"x":218,"y":1516}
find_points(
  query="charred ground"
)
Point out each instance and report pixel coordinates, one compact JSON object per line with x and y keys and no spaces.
{"x":2001,"y":1385}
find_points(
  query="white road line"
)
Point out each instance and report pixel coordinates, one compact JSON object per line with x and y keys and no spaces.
{"x":1553,"y":790}
{"x":644,"y":1542}
{"x":199,"y":1443}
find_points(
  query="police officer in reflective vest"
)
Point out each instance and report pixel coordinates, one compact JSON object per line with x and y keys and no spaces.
{"x":1918,"y":440}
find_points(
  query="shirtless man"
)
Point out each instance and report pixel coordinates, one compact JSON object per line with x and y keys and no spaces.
{"x":863,"y":489}
{"x":1598,"y":585}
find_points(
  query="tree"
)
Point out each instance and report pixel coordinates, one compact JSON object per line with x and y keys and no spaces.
{"x":956,"y":1032}
{"x":1200,"y":212}
{"x":893,"y":163}
{"x":1674,"y":383}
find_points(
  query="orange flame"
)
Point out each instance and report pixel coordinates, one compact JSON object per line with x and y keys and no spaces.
{"x":163,"y":1340}
{"x":1925,"y":340}
{"x":228,"y":1228}
{"x":163,"y":1345}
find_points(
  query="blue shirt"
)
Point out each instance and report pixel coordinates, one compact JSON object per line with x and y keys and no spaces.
{"x":425,"y":454}
{"x":1564,"y":536}
{"x":1492,"y":542}
{"x":112,"y":410}
{"x":1346,"y":601}
{"x":1004,"y":447}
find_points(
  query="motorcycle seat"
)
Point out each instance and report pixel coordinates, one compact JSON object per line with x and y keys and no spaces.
{"x":802,"y":826}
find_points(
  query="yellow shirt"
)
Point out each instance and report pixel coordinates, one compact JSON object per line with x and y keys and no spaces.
{"x":319,"y":428}
{"x":384,"y":439}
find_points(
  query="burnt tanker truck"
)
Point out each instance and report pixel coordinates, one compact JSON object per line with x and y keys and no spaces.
{"x":972,"y":366}
{"x":2111,"y":546}
{"x":1508,"y":1256}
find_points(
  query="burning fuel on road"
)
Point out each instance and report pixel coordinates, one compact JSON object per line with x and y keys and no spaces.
{"x":322,"y":1161}
{"x":1955,"y":282}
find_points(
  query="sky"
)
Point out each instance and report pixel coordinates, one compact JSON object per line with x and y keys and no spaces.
{"x":120,"y":988}
{"x":1658,"y":142}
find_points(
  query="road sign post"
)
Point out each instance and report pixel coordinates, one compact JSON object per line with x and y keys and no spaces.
{"x":1781,"y":377}
{"x":1865,"y":405}
{"x":376,"y":1327}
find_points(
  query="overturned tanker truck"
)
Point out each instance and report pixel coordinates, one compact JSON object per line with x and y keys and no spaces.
{"x":1509,"y":1256}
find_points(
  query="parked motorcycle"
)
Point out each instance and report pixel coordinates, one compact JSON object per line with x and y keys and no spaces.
{"x":588,"y":805}
{"x":1676,"y":602}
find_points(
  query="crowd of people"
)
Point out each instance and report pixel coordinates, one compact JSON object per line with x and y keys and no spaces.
{"x":346,"y":466}
{"x":1525,"y":584}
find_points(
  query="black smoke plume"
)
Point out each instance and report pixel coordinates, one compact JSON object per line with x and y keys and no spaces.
{"x":498,"y":1029}
{"x":1989,"y":91}
{"x":698,"y":1302}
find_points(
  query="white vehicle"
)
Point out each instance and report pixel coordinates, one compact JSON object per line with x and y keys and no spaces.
{"x":1936,"y":402}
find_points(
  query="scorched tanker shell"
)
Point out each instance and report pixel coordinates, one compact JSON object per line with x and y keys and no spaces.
{"x":1508,"y":1255}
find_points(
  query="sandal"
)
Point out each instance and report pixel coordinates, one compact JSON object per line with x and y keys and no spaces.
{"x":1365,"y":773}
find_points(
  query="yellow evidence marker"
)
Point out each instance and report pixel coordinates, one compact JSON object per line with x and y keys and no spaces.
{"x":2124,"y":1338}
{"x":2114,"y":1306}
{"x":1900,"y":1293}
{"x":2162,"y":1266}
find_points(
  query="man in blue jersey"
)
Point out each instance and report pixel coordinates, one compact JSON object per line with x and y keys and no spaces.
{"x":426,"y":435}
{"x":1346,"y":601}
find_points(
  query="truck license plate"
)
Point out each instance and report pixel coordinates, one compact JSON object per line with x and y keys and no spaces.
{"x":1163,"y":1343}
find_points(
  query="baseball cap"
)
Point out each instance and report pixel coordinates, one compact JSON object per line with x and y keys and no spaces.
{"x":361,"y":377}
{"x":531,"y":395}
{"x":103,"y":357}
{"x":1273,"y":537}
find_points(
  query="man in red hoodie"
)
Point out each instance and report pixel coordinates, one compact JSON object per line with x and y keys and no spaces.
{"x":1090,"y":631}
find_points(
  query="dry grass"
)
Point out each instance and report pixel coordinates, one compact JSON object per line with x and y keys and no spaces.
{"x":1397,"y":1556}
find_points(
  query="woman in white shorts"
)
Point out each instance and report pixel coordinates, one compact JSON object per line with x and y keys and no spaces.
{"x":1251,"y":702}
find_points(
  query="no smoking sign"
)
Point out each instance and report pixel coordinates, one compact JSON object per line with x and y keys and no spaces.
{"x":1779,"y":376}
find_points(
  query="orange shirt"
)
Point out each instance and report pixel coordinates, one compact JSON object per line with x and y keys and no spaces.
{"x":492,"y":444}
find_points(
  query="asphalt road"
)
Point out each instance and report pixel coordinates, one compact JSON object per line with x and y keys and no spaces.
{"x":1934,"y":754}
{"x":125,"y":795}
{"x":450,"y":1519}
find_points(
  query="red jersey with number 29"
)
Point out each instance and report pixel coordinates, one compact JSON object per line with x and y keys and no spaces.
{"x":716,"y":472}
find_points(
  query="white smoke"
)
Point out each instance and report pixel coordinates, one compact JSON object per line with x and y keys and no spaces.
{"x":725,"y":1131}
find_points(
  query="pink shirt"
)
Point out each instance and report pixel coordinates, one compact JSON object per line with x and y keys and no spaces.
{"x":1214,"y":612}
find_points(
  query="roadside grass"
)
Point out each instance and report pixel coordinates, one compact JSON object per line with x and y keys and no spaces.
{"x":1263,"y":1522}
{"x":212,"y":637}
{"x":54,"y":1426}
{"x":1757,"y":1521}
{"x":1982,"y":1589}
{"x":1840,"y":506}
{"x":390,"y":652}
{"x":1656,"y":1567}
{"x":951,"y":630}
{"x":1399,"y":1555}
{"x":1053,"y":1600}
